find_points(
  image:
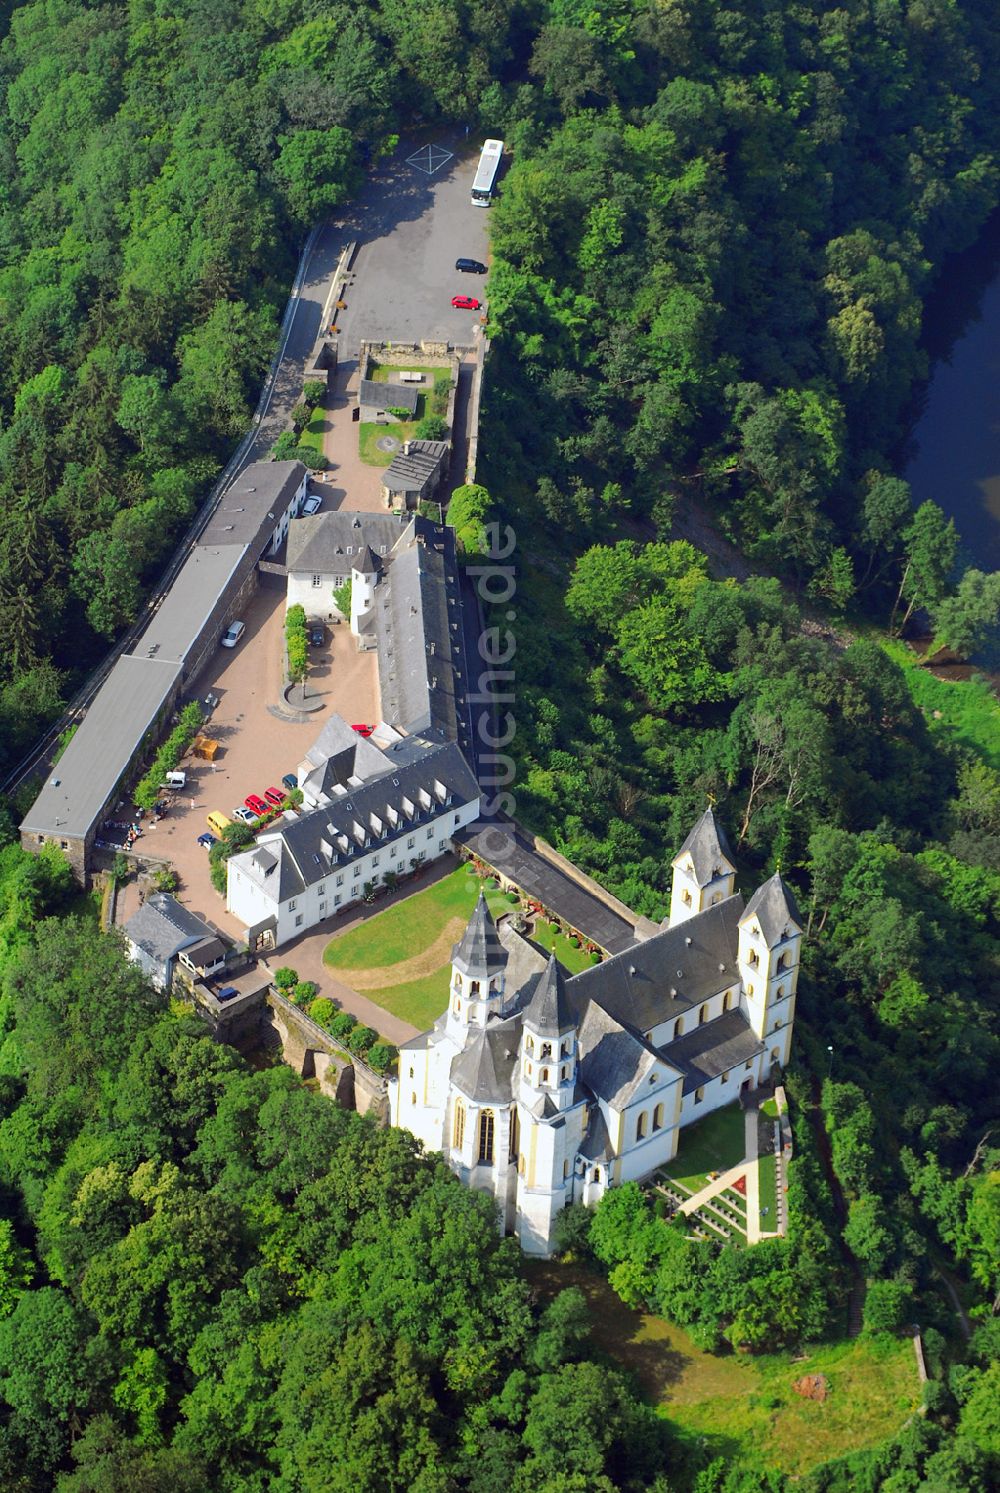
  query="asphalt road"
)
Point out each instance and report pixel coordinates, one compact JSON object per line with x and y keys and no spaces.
{"x":410,"y":225}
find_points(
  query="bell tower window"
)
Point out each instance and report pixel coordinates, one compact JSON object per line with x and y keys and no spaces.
{"x":486,"y":1136}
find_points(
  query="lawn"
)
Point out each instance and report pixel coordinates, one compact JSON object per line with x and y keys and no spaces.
{"x":770,"y":1108}
{"x":742,"y":1407}
{"x":368,"y":434}
{"x":713,"y":1145}
{"x":411,"y":926}
{"x":969,"y":711}
{"x":767,"y":1173}
{"x":312,"y":436}
{"x":570,"y":958}
{"x":433,"y":393}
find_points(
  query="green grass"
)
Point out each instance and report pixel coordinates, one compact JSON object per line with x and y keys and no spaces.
{"x":434,"y":393}
{"x":312,"y":436}
{"x":570,"y":958}
{"x":741,"y":1407}
{"x":767,"y":1173}
{"x":411,"y":926}
{"x":713,"y":1145}
{"x":420,"y":1002}
{"x":969,"y":711}
{"x":770,"y":1107}
{"x":368,"y":434}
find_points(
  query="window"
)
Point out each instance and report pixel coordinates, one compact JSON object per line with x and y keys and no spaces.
{"x":596,"y":1176}
{"x":515,"y":1135}
{"x":520,"y":1166}
{"x":640,"y":1126}
{"x":564,"y":1050}
{"x":658,"y":1117}
{"x":322,"y":909}
{"x":563,"y":1074}
{"x":317,"y":580}
{"x":699,"y":1095}
{"x":752,"y":959}
{"x":458,"y":1008}
{"x":748,"y":1065}
{"x":392,"y":852}
{"x":565,"y":1170}
{"x":321,"y":890}
{"x":298,"y":920}
{"x":678,"y":1028}
{"x":727,"y":1000}
{"x":374,"y":860}
{"x":430,"y":833}
{"x":457,"y":818}
{"x":293,"y":904}
{"x":459,"y":1130}
{"x":339,"y":881}
{"x":411,"y":1072}
{"x":703,"y":1016}
{"x":474,"y":987}
{"x":531,"y":1045}
{"x":337,"y":899}
{"x":545,"y":1075}
{"x":723,"y":1077}
{"x":686,"y":898}
{"x":442,"y":844}
{"x":750,"y":990}
{"x":413,"y":1098}
{"x":486,"y":1136}
{"x":780,"y":993}
{"x":63,"y":844}
{"x":409,"y":843}
{"x":357,"y":871}
{"x":546,"y":1050}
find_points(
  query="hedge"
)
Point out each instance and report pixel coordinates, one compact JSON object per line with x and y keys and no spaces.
{"x":148,"y":788}
{"x":295,"y":642}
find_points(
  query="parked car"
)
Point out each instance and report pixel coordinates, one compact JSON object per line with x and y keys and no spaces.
{"x":275,"y":797}
{"x":465,"y":303}
{"x":470,"y":266}
{"x":363,"y":730}
{"x":244,"y":815}
{"x":312,"y":505}
{"x":233,"y":633}
{"x":290,"y":781}
{"x":255,"y":802}
{"x":207,"y":840}
{"x":226,"y":993}
{"x":317,"y":635}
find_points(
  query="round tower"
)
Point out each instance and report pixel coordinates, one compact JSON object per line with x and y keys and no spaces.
{"x":364,"y":579}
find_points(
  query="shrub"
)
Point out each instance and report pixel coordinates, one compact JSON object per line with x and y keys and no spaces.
{"x":310,"y":458}
{"x":381,"y":1056}
{"x":595,"y":958}
{"x":553,"y":927}
{"x":342,"y":598}
{"x":362,"y":1038}
{"x":304,"y":992}
{"x":122,"y":868}
{"x":301,"y":415}
{"x":286,"y":977}
{"x":512,"y":897}
{"x":398,"y":411}
{"x":322,"y":1009}
{"x":169,"y":754}
{"x":284,"y":445}
{"x":431,"y":428}
{"x":342,"y":1025}
{"x":313,"y":392}
{"x":295,"y":643}
{"x":166,"y":881}
{"x":887,"y":1304}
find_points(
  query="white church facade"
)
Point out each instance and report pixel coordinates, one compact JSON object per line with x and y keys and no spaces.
{"x":546,"y":1089}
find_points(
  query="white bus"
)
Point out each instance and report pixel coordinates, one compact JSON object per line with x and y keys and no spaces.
{"x":486,"y":173}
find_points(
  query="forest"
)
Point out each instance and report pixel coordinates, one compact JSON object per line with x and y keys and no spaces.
{"x":710,"y":255}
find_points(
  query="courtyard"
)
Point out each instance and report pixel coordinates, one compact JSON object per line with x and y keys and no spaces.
{"x":401,"y":958}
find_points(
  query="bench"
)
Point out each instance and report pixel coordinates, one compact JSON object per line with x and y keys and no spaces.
{"x":411,"y":378}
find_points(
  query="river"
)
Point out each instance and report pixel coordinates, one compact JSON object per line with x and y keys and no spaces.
{"x":953,"y":455}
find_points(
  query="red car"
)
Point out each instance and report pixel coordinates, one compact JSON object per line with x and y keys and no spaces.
{"x":275,"y":796}
{"x":253,"y":801}
{"x":363,"y":730}
{"x":465,"y":303}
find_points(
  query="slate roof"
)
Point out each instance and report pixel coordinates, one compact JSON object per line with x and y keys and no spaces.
{"x":596,"y":1144}
{"x":310,"y":847}
{"x":708,"y":848}
{"x":418,"y":607}
{"x":179,"y":620}
{"x":338,"y":741}
{"x":416,"y":466}
{"x":484,"y":1070}
{"x":388,"y":396}
{"x":367,"y":562}
{"x":665,"y":975}
{"x":719,"y":1045}
{"x":549,"y":1011}
{"x":479,"y":952}
{"x":329,"y":543}
{"x":613,"y":1062}
{"x":254,"y":504}
{"x":774,"y":907}
{"x":162,"y":926}
{"x":206,"y":951}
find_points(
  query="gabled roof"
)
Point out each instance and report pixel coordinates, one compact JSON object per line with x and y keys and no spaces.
{"x":388,"y":396}
{"x":479,"y":952}
{"x":549,"y":1011}
{"x":708,"y":848}
{"x":329,"y":543}
{"x":339,"y":741}
{"x":775,"y":909}
{"x":712,"y":1049}
{"x":162,"y":926}
{"x":418,"y":464}
{"x":613,"y":1062}
{"x":663,"y":976}
{"x":367,"y":562}
{"x":597,"y":1142}
{"x":484,"y":1070}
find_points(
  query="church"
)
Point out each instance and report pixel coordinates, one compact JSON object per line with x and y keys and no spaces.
{"x":546,"y":1089}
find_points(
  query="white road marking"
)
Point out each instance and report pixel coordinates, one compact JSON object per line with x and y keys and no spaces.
{"x":429,"y":158}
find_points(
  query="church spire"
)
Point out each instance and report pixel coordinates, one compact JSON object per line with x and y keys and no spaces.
{"x":548,"y":1013}
{"x":478,"y":962}
{"x":704,"y":870}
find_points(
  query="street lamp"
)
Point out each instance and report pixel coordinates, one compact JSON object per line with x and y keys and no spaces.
{"x":829,"y":1061}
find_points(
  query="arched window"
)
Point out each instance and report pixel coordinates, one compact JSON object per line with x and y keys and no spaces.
{"x":515,"y":1134}
{"x":458,"y":1008}
{"x":459,"y":1131}
{"x":640,"y":1126}
{"x":413,"y":1098}
{"x":474,"y":987}
{"x":565,"y":1170}
{"x":531,"y":1045}
{"x":686,"y":897}
{"x":727,"y":1000}
{"x":520,"y":1166}
{"x":703,"y":1016}
{"x":597,"y":1175}
{"x":546,"y":1051}
{"x":678,"y":1027}
{"x":545,"y":1075}
{"x":775,"y":1057}
{"x":486,"y":1135}
{"x":779,"y":994}
{"x":563,"y":1074}
{"x":411,"y":1072}
{"x":658,"y":1117}
{"x":752,"y":959}
{"x":564,"y":1050}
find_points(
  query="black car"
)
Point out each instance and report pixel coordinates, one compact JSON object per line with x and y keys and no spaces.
{"x":470,"y":266}
{"x":317,"y":636}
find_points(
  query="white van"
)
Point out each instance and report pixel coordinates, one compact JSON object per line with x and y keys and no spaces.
{"x":176,"y":779}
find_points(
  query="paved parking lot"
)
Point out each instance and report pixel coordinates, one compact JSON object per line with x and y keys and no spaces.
{"x":258,"y":747}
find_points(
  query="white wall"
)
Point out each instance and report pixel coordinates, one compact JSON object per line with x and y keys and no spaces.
{"x":716,"y":1004}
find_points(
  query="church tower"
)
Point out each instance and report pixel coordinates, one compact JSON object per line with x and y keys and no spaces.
{"x":478,"y":965}
{"x":770,"y":939}
{"x":704,"y":872}
{"x":552,"y":1111}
